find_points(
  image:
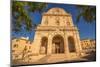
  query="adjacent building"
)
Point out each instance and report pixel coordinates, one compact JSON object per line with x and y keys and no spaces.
{"x":20,"y":48}
{"x":88,"y":45}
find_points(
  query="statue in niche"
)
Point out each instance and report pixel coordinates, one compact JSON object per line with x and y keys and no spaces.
{"x":68,"y":23}
{"x":57,"y":21}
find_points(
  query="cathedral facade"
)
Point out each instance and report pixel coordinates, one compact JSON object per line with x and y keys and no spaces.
{"x":56,"y":38}
{"x":57,"y":35}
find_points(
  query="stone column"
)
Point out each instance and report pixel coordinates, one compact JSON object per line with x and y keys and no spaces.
{"x":49,"y":47}
{"x":38,"y":45}
{"x":77,"y":43}
{"x":66,"y":49}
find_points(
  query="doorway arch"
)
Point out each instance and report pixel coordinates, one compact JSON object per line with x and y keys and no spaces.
{"x":43,"y":47}
{"x":71,"y":44}
{"x":58,"y":44}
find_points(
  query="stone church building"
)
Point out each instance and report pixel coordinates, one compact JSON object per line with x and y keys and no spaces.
{"x":56,"y":38}
{"x":57,"y":35}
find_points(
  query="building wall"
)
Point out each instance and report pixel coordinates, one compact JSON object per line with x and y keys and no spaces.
{"x":20,"y":47}
{"x":88,"y":45}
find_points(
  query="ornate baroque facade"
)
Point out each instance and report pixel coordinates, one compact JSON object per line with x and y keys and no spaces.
{"x":56,"y":39}
{"x":57,"y":34}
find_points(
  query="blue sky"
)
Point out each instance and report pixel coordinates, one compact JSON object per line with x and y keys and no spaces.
{"x":86,"y":30}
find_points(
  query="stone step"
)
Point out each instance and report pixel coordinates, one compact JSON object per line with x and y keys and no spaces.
{"x":56,"y":58}
{"x":42,"y":60}
{"x":73,"y":55}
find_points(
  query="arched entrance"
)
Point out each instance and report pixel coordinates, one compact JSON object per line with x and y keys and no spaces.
{"x":71,"y":44}
{"x":58,"y":44}
{"x":43,"y":47}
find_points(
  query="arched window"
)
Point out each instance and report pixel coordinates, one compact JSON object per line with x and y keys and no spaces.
{"x":43,"y":47}
{"x":71,"y":44}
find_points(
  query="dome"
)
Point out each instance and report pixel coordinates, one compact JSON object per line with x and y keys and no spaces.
{"x":57,"y":10}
